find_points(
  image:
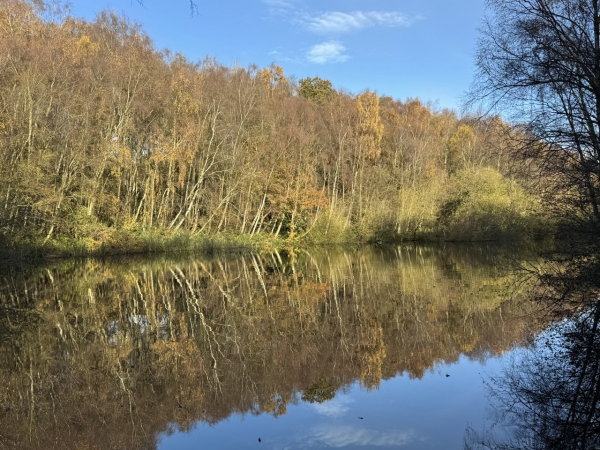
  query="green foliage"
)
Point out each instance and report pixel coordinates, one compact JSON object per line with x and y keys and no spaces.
{"x":330,"y":227}
{"x":316,"y":89}
{"x":378,"y":224}
{"x":321,"y":391}
{"x":459,"y":149}
{"x":484,"y":205}
{"x":417,"y":209}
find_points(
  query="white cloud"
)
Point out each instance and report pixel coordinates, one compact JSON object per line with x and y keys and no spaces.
{"x":279,"y":56}
{"x":334,"y":408}
{"x":327,"y":52}
{"x":279,"y":8}
{"x":341,"y":436}
{"x":278,"y":3}
{"x":336,"y":22}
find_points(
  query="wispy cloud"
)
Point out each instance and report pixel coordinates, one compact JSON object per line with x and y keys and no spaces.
{"x":279,"y":3}
{"x":327,"y":52}
{"x":341,"y":436}
{"x":279,"y":8}
{"x":280,"y":57}
{"x":337,"y":407}
{"x":335,"y":22}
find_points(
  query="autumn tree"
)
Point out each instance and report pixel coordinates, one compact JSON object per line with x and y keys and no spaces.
{"x":459,"y":148}
{"x":273,"y":78}
{"x":370,"y":126}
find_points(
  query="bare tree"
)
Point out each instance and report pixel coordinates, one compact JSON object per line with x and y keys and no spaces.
{"x":193,"y":6}
{"x":539,"y":62}
{"x":549,"y":398}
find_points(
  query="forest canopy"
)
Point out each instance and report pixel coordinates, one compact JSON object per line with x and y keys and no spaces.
{"x":104,"y":140}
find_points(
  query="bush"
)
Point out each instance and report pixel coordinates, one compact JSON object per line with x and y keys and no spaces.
{"x":330,"y":228}
{"x":484,"y":205}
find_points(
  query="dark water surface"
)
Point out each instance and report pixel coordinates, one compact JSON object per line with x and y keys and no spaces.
{"x":326,"y":348}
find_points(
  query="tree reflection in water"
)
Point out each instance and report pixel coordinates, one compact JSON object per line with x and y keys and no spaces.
{"x":114,"y":353}
{"x":549,"y":397}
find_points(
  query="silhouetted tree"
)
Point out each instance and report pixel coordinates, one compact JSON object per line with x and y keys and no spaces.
{"x":539,"y":61}
{"x":550,"y":398}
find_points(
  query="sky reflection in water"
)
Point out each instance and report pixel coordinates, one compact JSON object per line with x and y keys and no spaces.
{"x":428,"y":413}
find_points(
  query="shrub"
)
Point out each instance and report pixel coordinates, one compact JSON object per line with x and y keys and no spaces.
{"x":481,"y":204}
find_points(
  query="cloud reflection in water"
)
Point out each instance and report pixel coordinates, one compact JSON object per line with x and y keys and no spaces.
{"x":336,"y":408}
{"x":339,"y":436}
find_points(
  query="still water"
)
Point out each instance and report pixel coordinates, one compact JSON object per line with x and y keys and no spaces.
{"x":373,"y":348}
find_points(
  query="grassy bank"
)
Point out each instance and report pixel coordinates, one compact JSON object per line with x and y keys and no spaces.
{"x":124,"y":242}
{"x":158,"y":241}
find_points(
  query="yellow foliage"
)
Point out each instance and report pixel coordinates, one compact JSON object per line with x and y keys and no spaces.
{"x":272,"y":77}
{"x":373,"y":355}
{"x":86,"y":47}
{"x":459,"y":148}
{"x":77,"y":50}
{"x":275,"y":405}
{"x":186,"y":101}
{"x":370,"y":126}
{"x":484,"y":204}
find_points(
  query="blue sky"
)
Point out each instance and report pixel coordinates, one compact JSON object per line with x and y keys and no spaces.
{"x":401,"y":48}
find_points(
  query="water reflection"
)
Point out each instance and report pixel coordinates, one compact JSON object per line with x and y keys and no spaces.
{"x":113,"y":353}
{"x":343,"y":436}
{"x":549,"y":396}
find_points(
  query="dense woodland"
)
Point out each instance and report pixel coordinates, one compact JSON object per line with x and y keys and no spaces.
{"x":105,"y":142}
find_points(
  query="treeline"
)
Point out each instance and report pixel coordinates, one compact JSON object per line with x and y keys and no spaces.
{"x":104,"y":139}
